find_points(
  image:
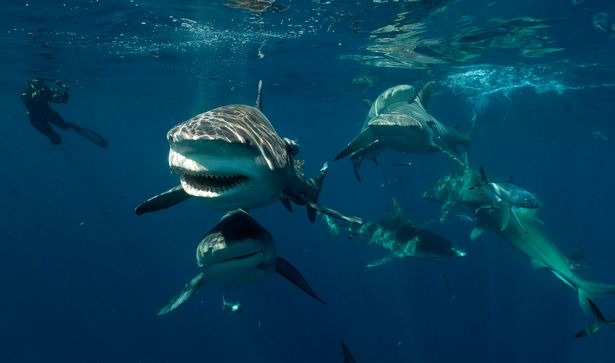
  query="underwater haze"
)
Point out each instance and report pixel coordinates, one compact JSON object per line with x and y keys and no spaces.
{"x":83,"y":277}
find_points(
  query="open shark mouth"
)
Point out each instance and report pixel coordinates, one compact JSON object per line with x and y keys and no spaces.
{"x":210,"y":183}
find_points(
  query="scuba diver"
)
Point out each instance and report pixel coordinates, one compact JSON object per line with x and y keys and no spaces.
{"x":36,"y":96}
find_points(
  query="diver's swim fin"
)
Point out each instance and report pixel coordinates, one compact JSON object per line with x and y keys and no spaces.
{"x":92,"y":136}
{"x":184,"y":295}
{"x":293,"y":275}
{"x":163,"y":200}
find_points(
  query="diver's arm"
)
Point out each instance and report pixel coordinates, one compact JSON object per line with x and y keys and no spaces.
{"x":58,"y":95}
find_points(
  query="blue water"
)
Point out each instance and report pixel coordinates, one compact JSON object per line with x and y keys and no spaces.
{"x":82,"y":277}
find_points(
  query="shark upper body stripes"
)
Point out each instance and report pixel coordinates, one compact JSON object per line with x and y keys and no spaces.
{"x":231,"y":157}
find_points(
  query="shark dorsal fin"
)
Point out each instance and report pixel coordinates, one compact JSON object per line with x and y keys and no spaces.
{"x":259,"y":99}
{"x":424,"y":94}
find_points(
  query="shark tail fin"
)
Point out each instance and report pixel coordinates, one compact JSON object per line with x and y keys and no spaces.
{"x":594,"y":326}
{"x":163,"y":200}
{"x":184,"y":295}
{"x":588,"y":290}
{"x":259,"y":95}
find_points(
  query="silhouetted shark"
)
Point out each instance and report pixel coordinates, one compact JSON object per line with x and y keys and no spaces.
{"x":399,"y":235}
{"x":235,"y":252}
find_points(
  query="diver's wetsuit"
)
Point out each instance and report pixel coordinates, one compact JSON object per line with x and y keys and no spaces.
{"x":36,"y":97}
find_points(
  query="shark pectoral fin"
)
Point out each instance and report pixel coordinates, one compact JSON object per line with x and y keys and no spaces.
{"x":537,"y":265}
{"x":476,"y":233}
{"x":184,"y":295}
{"x":293,"y":275}
{"x":348,"y":358}
{"x":163,"y":200}
{"x":286,"y":203}
{"x":360,"y":142}
{"x":381,"y":261}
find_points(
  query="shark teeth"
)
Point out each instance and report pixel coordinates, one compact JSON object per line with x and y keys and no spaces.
{"x":212,"y":183}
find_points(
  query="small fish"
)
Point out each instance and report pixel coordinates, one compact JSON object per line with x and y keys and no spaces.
{"x":395,"y":180}
{"x":235,"y":307}
{"x":599,"y":136}
{"x":402,"y":164}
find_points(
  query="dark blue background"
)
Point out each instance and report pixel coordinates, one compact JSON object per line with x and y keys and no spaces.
{"x":82,"y":277}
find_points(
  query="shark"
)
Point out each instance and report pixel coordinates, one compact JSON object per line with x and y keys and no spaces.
{"x":509,"y":196}
{"x":231,"y":157}
{"x":238,"y":251}
{"x":400,"y":236}
{"x":525,"y":233}
{"x":398,"y":120}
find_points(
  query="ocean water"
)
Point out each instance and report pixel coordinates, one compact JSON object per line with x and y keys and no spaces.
{"x":82,"y":276}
